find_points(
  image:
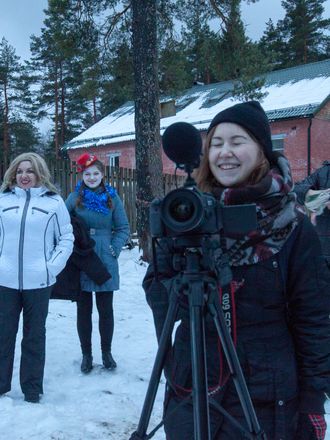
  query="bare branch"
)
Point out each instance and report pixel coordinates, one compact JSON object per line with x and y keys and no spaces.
{"x":112,"y":22}
{"x":219,"y":13}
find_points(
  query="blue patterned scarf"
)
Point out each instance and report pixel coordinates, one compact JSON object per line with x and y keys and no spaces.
{"x":96,"y":200}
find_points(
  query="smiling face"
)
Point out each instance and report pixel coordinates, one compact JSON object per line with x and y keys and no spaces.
{"x":92,"y":177}
{"x":233,"y":154}
{"x":25,"y":175}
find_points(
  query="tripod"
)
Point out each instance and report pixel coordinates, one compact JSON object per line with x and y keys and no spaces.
{"x":201,"y":289}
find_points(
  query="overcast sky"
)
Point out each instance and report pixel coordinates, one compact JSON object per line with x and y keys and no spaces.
{"x":21,"y":18}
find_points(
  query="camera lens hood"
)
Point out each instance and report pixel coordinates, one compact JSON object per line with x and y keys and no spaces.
{"x":182,"y":210}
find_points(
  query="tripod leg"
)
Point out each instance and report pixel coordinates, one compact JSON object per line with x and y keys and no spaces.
{"x":198,"y":358}
{"x":164,"y":344}
{"x":235,"y":369}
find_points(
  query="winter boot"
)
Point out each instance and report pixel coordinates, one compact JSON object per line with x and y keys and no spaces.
{"x":86,"y":363}
{"x":32,"y":398}
{"x":108,"y":361}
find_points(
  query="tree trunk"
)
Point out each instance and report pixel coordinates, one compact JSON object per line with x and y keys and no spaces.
{"x":63,"y":126}
{"x":94,"y":110}
{"x":6,"y":141}
{"x":56,"y":114}
{"x":147,"y":124}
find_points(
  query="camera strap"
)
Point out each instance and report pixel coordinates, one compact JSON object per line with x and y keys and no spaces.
{"x":227,"y":302}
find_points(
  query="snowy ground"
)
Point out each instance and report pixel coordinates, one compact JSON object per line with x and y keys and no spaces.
{"x":101,"y":405}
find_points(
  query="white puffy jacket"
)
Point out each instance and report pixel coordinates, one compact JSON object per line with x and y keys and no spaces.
{"x":35,"y":238}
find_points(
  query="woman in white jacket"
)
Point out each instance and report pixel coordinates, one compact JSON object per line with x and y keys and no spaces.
{"x":35,"y":242}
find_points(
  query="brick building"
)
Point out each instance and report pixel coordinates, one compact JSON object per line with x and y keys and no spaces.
{"x":296,"y":101}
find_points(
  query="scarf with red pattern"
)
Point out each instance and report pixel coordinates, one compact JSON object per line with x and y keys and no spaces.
{"x":276,"y":214}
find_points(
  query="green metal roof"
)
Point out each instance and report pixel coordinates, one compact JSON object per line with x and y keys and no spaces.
{"x":295,"y":92}
{"x":302,"y":111}
{"x":218,"y":91}
{"x":298,"y":73}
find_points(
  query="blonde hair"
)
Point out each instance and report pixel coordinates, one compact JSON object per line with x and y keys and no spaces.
{"x":204,"y":177}
{"x":39,"y":167}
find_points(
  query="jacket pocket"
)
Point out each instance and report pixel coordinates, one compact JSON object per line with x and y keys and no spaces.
{"x":10,"y":208}
{"x":270,"y":370}
{"x":36,"y":209}
{"x":269,"y":275}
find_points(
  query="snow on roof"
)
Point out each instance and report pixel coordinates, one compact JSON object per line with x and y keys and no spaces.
{"x":202,"y":103}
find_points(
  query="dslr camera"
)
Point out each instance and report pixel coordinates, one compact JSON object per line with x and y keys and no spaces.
{"x":187,"y":211}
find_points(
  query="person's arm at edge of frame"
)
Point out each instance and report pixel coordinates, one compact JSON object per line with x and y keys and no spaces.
{"x":301,"y":188}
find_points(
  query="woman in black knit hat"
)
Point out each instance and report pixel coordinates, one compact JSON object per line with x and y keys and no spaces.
{"x":280,"y":303}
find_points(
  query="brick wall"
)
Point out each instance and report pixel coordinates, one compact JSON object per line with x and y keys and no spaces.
{"x":126,"y":158}
{"x":295,"y":145}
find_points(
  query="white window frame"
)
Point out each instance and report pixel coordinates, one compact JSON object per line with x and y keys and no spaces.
{"x":278,"y":137}
{"x":112,"y":158}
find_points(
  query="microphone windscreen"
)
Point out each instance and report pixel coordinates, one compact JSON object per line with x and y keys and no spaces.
{"x":182,"y":143}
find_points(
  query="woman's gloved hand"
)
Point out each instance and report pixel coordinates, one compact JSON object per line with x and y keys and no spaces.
{"x":311,"y":427}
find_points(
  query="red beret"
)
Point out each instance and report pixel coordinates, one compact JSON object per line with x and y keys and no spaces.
{"x":84,"y":161}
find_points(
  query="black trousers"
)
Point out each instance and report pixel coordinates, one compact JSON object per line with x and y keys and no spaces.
{"x":277,"y":419}
{"x":104,"y":304}
{"x":34,"y":304}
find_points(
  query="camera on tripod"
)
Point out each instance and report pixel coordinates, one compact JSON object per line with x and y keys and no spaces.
{"x":184,"y":211}
{"x":195,"y":224}
{"x":187,"y":210}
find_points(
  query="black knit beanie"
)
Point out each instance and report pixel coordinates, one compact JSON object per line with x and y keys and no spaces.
{"x":249,"y":115}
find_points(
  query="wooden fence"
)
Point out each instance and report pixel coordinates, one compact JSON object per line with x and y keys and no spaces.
{"x":65,"y":177}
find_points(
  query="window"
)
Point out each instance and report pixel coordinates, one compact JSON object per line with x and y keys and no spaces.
{"x":278,"y":142}
{"x":114,"y":159}
{"x":167,"y":108}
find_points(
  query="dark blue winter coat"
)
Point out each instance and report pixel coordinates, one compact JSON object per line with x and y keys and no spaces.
{"x":282,"y":321}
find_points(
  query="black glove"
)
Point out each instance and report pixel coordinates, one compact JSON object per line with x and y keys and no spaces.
{"x":311,"y":427}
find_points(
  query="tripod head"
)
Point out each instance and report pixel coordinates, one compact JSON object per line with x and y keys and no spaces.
{"x":204,"y":254}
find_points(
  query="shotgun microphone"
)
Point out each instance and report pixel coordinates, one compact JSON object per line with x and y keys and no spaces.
{"x":182,"y":144}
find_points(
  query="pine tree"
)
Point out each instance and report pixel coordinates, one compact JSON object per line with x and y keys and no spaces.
{"x":175,"y":75}
{"x":239,"y":59}
{"x":118,"y":82}
{"x":10,"y":69}
{"x":24,"y":137}
{"x":272,"y":45}
{"x":304,"y":32}
{"x":200,"y":41}
{"x":55,"y":56}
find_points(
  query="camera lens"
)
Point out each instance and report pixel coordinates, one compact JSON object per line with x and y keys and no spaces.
{"x":182,"y":210}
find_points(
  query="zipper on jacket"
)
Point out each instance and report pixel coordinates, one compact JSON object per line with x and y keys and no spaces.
{"x":58,"y":254}
{"x":21,"y":241}
{"x":12,"y":207}
{"x":34,"y":208}
{"x":2,"y":233}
